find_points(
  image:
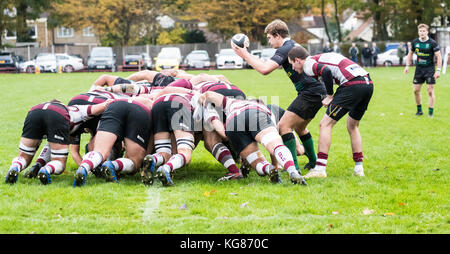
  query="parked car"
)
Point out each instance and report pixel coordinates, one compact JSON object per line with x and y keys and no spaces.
{"x":256,"y":53}
{"x":168,"y":58}
{"x":69,"y":63}
{"x":147,"y":61}
{"x":102,"y":58}
{"x":390,"y":58}
{"x":267,"y":53}
{"x":9,"y":62}
{"x":133,"y":62}
{"x":197,"y":59}
{"x":48,"y":62}
{"x":227,"y":59}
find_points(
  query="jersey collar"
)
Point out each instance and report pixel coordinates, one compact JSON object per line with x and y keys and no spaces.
{"x":426,"y":39}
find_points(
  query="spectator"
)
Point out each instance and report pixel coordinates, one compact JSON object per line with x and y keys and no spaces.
{"x":353,"y":52}
{"x":336,"y":48}
{"x":401,"y":52}
{"x":366,"y":56}
{"x":375,"y":51}
{"x":327,"y":48}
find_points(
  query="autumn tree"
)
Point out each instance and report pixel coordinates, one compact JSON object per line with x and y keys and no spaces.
{"x":116,"y":22}
{"x":6,"y":17}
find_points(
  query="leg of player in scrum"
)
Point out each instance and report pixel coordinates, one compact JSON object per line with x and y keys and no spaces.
{"x":27,"y":149}
{"x":162,"y":153}
{"x":213,"y":143}
{"x":185,"y":145}
{"x":272,"y":141}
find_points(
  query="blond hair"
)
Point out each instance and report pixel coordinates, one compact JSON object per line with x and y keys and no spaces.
{"x":277,"y":27}
{"x":423,"y":26}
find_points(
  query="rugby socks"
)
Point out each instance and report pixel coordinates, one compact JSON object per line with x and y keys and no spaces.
{"x":223,"y":155}
{"x":262,"y":168}
{"x":430,"y":111}
{"x":419,"y":108}
{"x":284,"y":157}
{"x":291,"y":144}
{"x":44,"y":156}
{"x":123,"y":165}
{"x":91,"y":160}
{"x":358,"y":159}
{"x":176,"y":161}
{"x":308,"y":144}
{"x":159,"y":159}
{"x":54,"y":167}
{"x":321,"y":162}
{"x":19,"y":162}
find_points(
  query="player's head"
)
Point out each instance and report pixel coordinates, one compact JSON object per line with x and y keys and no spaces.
{"x":276,"y":31}
{"x":422,"y":30}
{"x":297,"y":57}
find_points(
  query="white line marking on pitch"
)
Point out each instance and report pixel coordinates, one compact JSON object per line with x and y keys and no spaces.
{"x":152,"y":204}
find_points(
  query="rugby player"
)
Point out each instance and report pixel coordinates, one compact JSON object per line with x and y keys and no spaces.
{"x":353,"y":96}
{"x":426,"y":49}
{"x":298,"y":114}
{"x":247,"y":124}
{"x":124,"y":119}
{"x":56,"y":122}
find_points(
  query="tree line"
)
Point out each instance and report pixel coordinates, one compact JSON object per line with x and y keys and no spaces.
{"x":125,"y":22}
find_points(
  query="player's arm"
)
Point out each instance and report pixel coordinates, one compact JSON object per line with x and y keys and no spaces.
{"x":438,"y":55}
{"x":408,"y":61}
{"x":263,"y":67}
{"x":75,"y":149}
{"x":211,"y":118}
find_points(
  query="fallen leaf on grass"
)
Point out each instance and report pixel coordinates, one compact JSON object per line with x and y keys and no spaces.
{"x":244,"y":205}
{"x":389,"y":214}
{"x":335,"y":212}
{"x":330,"y":225}
{"x":367,"y":211}
{"x":401,"y":204}
{"x":213,"y":192}
{"x":59,"y":216}
{"x":39,"y":200}
{"x":207,"y":194}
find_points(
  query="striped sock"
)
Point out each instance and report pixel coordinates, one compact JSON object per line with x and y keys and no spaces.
{"x":321,"y":162}
{"x":284,"y":157}
{"x":358,"y":158}
{"x":91,"y":160}
{"x":223,"y":155}
{"x":176,"y":161}
{"x":262,"y":168}
{"x":19,"y":162}
{"x":124,"y":165}
{"x":159,"y":159}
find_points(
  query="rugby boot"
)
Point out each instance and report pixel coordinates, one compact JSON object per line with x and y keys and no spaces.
{"x":109,"y":171}
{"x":12,"y":175}
{"x":316,"y":173}
{"x":309,"y":165}
{"x":359,"y":170}
{"x":245,"y":168}
{"x":98,"y":173}
{"x":164,"y":175}
{"x":33,"y":171}
{"x":44,"y":176}
{"x":419,"y":113}
{"x":274,"y":175}
{"x":148,"y":170}
{"x":230,"y":176}
{"x":80,"y":177}
{"x":296,"y":178}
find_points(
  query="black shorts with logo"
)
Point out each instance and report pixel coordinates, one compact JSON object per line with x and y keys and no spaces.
{"x":424,"y":74}
{"x":353,"y":99}
{"x":127,"y":120}
{"x":170,"y":116}
{"x":306,"y":106}
{"x":162,"y":80}
{"x":40,"y":123}
{"x":243,"y":128}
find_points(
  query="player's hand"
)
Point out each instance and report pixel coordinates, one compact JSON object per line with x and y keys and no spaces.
{"x":327,"y":100}
{"x":437,"y":74}
{"x":239,"y":51}
{"x":406,"y":70}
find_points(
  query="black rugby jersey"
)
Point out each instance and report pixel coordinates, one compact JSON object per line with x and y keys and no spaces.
{"x":425,"y":51}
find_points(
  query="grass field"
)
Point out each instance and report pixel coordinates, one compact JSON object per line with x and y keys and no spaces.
{"x":405,"y":191}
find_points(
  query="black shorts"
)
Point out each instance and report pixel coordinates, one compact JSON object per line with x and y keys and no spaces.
{"x":353,"y":99}
{"x":162,"y":80}
{"x":236,"y":94}
{"x":127,"y":120}
{"x":120,"y":80}
{"x":306,"y":106}
{"x":170,"y":116}
{"x":40,"y":123}
{"x":243,"y":128}
{"x":424,"y":74}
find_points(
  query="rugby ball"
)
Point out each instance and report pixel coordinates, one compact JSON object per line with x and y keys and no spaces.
{"x":240,"y":40}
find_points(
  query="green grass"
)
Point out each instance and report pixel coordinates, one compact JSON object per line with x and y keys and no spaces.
{"x":402,"y":192}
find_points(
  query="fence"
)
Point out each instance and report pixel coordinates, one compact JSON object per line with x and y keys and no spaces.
{"x":29,"y":52}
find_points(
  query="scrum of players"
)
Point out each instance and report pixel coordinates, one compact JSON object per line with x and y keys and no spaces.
{"x":149,"y":124}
